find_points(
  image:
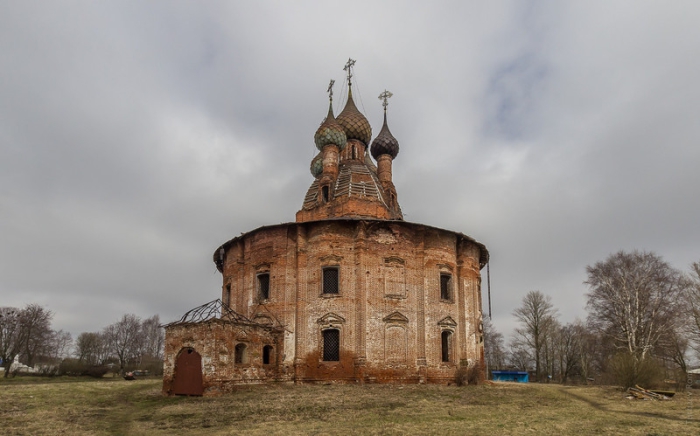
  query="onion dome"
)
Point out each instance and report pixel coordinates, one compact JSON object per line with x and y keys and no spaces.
{"x":317,"y":166}
{"x":384,"y":143}
{"x":330,"y":132}
{"x":355,"y":124}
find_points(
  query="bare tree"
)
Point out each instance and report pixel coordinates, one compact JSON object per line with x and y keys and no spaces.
{"x":568,"y":350}
{"x":153,"y":337}
{"x":36,"y":323}
{"x":519,"y":357}
{"x":123,"y":339}
{"x":550,"y":349}
{"x":536,"y":316}
{"x":90,"y":348}
{"x":588,"y":351}
{"x":494,"y":350}
{"x":672,"y":350}
{"x":691,"y":303}
{"x":633,"y":300}
{"x":60,"y":345}
{"x":11,"y":336}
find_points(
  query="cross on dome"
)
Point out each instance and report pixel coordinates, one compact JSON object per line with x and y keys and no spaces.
{"x":348,"y":68}
{"x":386,"y":95}
{"x":330,"y":89}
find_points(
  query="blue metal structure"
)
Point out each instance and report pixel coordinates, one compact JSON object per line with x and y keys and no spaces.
{"x":511,"y":376}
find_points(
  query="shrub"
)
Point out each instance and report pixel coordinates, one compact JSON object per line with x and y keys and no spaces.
{"x":70,"y":367}
{"x":629,"y":371}
{"x":468,"y":374}
{"x":96,"y":371}
{"x":77,"y":368}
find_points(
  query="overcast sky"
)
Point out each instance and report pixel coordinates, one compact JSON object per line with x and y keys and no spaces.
{"x":136,"y":137}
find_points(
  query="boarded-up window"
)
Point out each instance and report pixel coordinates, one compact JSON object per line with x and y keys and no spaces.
{"x":331,"y":345}
{"x":394,"y":278}
{"x":330,"y":280}
{"x":395,"y":343}
{"x":264,"y":286}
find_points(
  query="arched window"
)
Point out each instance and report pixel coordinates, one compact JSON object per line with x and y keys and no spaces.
{"x":241,"y":356}
{"x":446,"y":346}
{"x":331,"y":345}
{"x":325,"y":194}
{"x":267,"y":354}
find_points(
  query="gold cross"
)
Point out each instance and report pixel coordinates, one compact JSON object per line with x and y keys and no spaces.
{"x":386,"y":95}
{"x":348,"y":68}
{"x":330,"y":89}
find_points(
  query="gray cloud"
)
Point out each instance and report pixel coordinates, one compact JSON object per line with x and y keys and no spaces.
{"x":137,"y":137}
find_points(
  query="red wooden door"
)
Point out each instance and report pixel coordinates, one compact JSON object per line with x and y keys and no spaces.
{"x":188,"y":373}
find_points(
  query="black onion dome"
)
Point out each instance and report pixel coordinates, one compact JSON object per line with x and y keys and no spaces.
{"x":330,"y":132}
{"x":317,"y":166}
{"x":384,"y":143}
{"x":354,"y":123}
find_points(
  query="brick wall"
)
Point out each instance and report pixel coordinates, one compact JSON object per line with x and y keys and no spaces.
{"x":389,"y":309}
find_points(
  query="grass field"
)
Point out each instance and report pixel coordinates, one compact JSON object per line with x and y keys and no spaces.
{"x":109,"y":406}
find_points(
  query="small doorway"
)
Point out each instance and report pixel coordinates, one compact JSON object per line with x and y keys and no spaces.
{"x":188,"y":373}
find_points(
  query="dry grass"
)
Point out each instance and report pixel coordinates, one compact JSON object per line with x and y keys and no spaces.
{"x":115,"y":406}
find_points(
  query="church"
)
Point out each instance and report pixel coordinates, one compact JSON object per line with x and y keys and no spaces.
{"x":349,"y":292}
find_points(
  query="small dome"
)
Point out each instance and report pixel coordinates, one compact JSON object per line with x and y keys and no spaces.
{"x":330,"y":132}
{"x":317,"y":166}
{"x":384,"y":143}
{"x":355,"y":124}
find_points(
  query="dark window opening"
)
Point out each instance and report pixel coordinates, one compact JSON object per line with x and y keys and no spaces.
{"x":331,"y":345}
{"x":267,"y":353}
{"x":264,"y":286}
{"x":228,"y":295}
{"x":241,"y":355}
{"x":330,"y":281}
{"x":324,"y":194}
{"x":354,"y":152}
{"x":446,"y":345}
{"x":445,"y":286}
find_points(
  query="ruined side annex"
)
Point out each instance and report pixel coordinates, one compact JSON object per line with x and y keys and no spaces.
{"x":349,"y":292}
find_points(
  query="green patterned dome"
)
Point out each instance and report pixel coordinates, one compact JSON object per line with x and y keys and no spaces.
{"x":330,"y":132}
{"x":317,"y":166}
{"x":354,"y":123}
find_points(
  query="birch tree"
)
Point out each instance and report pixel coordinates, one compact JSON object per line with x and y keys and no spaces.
{"x":633,"y":300}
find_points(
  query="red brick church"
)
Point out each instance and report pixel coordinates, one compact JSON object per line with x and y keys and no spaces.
{"x":349,"y":292}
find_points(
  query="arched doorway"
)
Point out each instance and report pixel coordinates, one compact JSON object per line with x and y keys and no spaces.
{"x":188,"y":373}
